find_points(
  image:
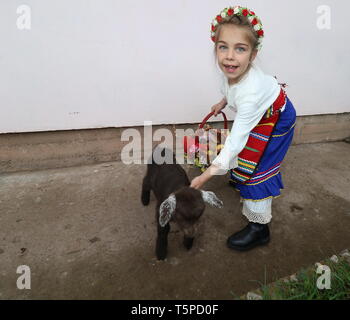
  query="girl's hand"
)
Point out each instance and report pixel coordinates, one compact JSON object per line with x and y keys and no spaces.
{"x":197,"y":182}
{"x":216,"y":108}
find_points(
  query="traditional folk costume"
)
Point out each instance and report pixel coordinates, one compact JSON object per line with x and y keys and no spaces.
{"x":259,"y":139}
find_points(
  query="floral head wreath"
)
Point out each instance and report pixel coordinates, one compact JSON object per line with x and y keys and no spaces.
{"x":227,"y":13}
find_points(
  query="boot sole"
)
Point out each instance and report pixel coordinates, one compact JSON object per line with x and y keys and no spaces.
{"x":251,"y":246}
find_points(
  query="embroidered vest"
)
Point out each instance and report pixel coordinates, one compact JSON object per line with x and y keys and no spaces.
{"x":249,"y":157}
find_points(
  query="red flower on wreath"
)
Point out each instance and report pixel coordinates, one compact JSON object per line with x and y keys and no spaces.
{"x":213,"y":38}
{"x":213,"y":27}
{"x":260,"y":33}
{"x":254,"y":21}
{"x":252,"y":13}
{"x":245,"y":12}
{"x":218,"y":18}
{"x":230,"y":12}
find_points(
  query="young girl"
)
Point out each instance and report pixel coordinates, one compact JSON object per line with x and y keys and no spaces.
{"x":263,"y":128}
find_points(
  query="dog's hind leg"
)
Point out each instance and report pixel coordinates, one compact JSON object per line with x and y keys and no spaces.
{"x":146,"y":191}
{"x":162,"y":238}
{"x":162,"y":241}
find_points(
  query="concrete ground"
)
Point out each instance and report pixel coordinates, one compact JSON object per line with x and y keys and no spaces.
{"x":85,"y":234}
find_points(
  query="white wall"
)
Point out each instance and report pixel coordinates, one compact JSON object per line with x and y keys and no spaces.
{"x":112,"y":63}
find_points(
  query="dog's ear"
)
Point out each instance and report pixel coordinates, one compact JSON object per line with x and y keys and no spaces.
{"x":167,"y":209}
{"x":210,"y":198}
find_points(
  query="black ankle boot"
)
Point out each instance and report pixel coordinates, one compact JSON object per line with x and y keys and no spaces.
{"x":254,"y":234}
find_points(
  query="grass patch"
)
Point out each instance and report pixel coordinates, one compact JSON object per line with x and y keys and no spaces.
{"x":305,"y":288}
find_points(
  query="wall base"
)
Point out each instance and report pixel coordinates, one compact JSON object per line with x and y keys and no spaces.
{"x":56,"y":149}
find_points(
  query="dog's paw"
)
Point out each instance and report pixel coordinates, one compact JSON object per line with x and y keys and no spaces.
{"x":161,"y":254}
{"x":188,"y":243}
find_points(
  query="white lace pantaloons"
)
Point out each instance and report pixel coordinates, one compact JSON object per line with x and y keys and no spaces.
{"x":258,"y":211}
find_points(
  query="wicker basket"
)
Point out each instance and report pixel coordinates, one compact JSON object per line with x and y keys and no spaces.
{"x":206,"y":142}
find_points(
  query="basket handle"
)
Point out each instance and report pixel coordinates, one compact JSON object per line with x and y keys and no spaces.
{"x":209,"y":116}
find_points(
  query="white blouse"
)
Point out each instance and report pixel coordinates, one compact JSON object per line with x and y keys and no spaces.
{"x":251,"y":97}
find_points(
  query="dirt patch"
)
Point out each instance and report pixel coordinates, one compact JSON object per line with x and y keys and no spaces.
{"x":85,"y":234}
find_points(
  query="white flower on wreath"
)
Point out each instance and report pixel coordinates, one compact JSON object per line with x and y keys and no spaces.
{"x":215,"y":23}
{"x":236,"y":10}
{"x":257,"y":27}
{"x":224,"y":14}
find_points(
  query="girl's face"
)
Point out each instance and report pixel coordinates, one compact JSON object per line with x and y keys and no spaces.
{"x":234,"y":52}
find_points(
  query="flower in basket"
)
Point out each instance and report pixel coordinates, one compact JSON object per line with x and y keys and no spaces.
{"x":197,"y":163}
{"x":193,"y":149}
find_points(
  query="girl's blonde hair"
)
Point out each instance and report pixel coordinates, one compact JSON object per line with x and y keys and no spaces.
{"x":240,"y":21}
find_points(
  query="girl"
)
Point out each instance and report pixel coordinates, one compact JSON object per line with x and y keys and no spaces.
{"x":263,"y":128}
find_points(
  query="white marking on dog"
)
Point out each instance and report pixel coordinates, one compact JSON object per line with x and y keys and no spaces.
{"x":167,"y":209}
{"x":210,"y":198}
